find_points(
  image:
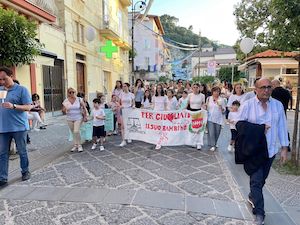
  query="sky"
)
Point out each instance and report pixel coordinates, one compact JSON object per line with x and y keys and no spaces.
{"x":214,"y":18}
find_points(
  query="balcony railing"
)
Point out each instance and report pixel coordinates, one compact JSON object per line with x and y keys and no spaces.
{"x":47,"y":5}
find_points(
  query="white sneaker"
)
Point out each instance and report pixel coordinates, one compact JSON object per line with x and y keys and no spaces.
{"x":129,"y":140}
{"x":123,"y":143}
{"x":94,"y":146}
{"x":74,"y":149}
{"x":115,"y":132}
{"x":212,"y":149}
{"x":229,"y":148}
{"x":36,"y":129}
{"x":80,"y":149}
{"x":98,"y":140}
{"x":157,"y":147}
{"x":102,"y":148}
{"x":198,"y":146}
{"x":216,"y":146}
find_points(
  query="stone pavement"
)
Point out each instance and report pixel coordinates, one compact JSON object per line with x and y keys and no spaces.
{"x":138,"y":185}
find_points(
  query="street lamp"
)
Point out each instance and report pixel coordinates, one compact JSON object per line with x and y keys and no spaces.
{"x":139,"y":6}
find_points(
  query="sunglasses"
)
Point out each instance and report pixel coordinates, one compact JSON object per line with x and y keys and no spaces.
{"x":265,"y":87}
{"x":71,"y":92}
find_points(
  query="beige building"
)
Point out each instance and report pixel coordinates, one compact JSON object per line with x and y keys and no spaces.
{"x":88,"y":70}
{"x":68,"y":58}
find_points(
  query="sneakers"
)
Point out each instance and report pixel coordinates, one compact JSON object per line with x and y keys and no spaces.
{"x":102,"y":148}
{"x":115,"y":132}
{"x":80,"y":149}
{"x":259,"y":220}
{"x":36,"y":129}
{"x":198,"y":146}
{"x":157,"y":147}
{"x":123,"y":143}
{"x":94,"y":146}
{"x":26,"y":176}
{"x":230,"y":148}
{"x":212,"y":149}
{"x":74,"y":149}
{"x":129,"y":140}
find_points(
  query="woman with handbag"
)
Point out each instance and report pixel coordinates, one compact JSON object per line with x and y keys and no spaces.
{"x":76,"y":112}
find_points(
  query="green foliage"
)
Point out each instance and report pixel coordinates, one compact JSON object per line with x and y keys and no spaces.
{"x":289,"y":168}
{"x":272,"y":24}
{"x":225,"y":73}
{"x":204,"y":79}
{"x":182,"y":34}
{"x":163,"y":79}
{"x":17,"y":38}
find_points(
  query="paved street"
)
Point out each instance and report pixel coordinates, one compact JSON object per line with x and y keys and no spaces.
{"x":137,"y":185}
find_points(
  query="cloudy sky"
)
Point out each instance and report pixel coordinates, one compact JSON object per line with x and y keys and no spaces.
{"x":214,"y":17}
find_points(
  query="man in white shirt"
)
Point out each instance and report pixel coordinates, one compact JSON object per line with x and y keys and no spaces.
{"x":263,"y":109}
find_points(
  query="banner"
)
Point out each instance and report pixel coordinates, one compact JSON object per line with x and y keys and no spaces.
{"x":165,"y":128}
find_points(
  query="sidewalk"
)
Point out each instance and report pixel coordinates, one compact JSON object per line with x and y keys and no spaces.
{"x":137,"y":185}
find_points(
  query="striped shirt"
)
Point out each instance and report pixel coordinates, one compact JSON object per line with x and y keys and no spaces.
{"x":277,"y":135}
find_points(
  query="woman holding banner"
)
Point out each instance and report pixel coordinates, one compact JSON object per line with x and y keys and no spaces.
{"x":215,"y":107}
{"x":196,"y":101}
{"x":159,"y":103}
{"x":127,"y":102}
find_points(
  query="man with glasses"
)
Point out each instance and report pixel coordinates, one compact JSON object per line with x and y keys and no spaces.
{"x":13,"y":124}
{"x":268,"y":111}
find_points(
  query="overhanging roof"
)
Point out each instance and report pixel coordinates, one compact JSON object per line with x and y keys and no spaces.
{"x":278,"y":63}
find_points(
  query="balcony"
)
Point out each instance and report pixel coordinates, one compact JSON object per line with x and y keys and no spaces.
{"x":41,"y":10}
{"x":111,"y":30}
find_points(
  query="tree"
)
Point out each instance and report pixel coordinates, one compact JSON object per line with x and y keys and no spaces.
{"x":17,"y":38}
{"x":225,"y":74}
{"x":204,"y":79}
{"x":275,"y":24}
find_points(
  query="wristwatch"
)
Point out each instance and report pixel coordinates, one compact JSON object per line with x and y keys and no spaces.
{"x":14,"y":106}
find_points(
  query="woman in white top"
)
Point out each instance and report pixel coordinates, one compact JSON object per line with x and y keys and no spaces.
{"x":196,"y":101}
{"x":159,"y":100}
{"x":147,"y":100}
{"x":172,"y":102}
{"x":126,"y":102}
{"x":237,"y":94}
{"x":159,"y":103}
{"x":216,"y":108}
{"x":118,"y":89}
{"x":76,"y":112}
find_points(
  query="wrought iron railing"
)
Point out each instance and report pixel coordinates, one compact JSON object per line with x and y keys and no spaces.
{"x":47,"y":5}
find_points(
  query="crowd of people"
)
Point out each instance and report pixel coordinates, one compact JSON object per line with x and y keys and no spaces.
{"x":223,"y":103}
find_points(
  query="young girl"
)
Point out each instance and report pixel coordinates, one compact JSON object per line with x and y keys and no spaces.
{"x":127,"y":102}
{"x":232,"y":119}
{"x":114,"y":105}
{"x":183,"y":101}
{"x":139,"y":93}
{"x":171,"y":100}
{"x":147,"y":101}
{"x":98,"y":124}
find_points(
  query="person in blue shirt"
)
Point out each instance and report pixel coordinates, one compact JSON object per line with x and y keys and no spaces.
{"x":13,"y":123}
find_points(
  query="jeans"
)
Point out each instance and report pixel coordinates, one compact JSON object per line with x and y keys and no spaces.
{"x":257,"y":182}
{"x":20,"y":139}
{"x":214,"y":131}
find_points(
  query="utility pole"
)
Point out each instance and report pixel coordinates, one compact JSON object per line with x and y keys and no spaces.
{"x":232,"y":72}
{"x":199,"y":67}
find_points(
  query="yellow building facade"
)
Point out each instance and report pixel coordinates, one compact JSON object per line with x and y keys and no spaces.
{"x":87,"y":69}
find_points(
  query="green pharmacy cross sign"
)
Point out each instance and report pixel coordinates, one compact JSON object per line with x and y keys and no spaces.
{"x":109,"y":49}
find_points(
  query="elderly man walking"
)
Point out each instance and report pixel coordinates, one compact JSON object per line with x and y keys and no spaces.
{"x":13,"y":124}
{"x":263,"y":109}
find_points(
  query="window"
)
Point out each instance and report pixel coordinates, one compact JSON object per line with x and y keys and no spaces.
{"x":147,"y":61}
{"x":77,"y":31}
{"x":147,"y":44}
{"x":81,"y":34}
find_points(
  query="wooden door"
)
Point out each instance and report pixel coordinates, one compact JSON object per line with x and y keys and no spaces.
{"x":80,"y":77}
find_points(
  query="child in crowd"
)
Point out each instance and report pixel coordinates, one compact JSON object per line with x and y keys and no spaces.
{"x":115,"y":105}
{"x":147,"y":100}
{"x":98,"y":124}
{"x":171,"y":100}
{"x":183,"y":101}
{"x":232,"y":119}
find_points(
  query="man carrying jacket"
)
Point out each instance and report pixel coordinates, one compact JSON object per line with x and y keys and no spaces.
{"x":263,"y":109}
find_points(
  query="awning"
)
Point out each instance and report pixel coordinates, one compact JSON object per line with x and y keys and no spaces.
{"x":278,"y":63}
{"x":45,"y":61}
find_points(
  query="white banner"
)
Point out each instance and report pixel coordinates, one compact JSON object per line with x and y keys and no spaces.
{"x":165,"y":128}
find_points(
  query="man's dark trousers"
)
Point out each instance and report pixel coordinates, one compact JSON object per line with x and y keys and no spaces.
{"x":257,"y":182}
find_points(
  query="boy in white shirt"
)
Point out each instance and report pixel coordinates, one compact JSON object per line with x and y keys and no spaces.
{"x":98,"y":115}
{"x":233,"y":117}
